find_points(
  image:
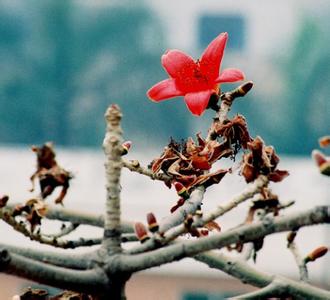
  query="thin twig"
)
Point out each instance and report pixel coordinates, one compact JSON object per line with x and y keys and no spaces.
{"x":303,"y":271}
{"x":44,"y":239}
{"x":134,"y":166}
{"x":65,"y":230}
{"x":227,"y":100}
{"x":78,"y":217}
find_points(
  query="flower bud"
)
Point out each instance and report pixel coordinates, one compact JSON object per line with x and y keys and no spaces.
{"x":188,"y":221}
{"x":152,"y":222}
{"x":317,"y":253}
{"x":204,"y":232}
{"x":324,"y":141}
{"x":141,"y":232}
{"x":291,"y":236}
{"x":126,"y":146}
{"x":179,"y":203}
{"x":181,"y":190}
{"x":322,"y":162}
{"x":3,"y":201}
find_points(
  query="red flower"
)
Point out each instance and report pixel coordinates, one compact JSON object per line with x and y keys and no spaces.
{"x":195,"y":80}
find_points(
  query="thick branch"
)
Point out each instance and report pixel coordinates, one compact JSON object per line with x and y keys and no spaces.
{"x":235,"y":267}
{"x":75,"y":217}
{"x":243,"y":234}
{"x":83,"y":281}
{"x":67,"y":260}
{"x":247,"y":274}
{"x":113,"y":150}
{"x":274,"y":289}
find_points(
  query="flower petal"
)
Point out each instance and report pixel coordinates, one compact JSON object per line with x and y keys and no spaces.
{"x":212,"y":55}
{"x":174,"y":61}
{"x":197,"y":102}
{"x":230,"y":75}
{"x":163,"y":90}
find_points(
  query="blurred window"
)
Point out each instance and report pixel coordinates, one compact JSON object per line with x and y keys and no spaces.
{"x":211,"y":25}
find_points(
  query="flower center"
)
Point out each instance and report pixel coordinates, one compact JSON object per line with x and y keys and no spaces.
{"x":193,"y":78}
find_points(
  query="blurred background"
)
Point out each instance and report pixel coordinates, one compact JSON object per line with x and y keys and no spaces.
{"x":64,"y":62}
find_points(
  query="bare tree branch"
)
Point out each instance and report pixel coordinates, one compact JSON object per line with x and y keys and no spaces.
{"x":196,"y":199}
{"x":65,"y":230}
{"x":134,"y":166}
{"x":274,"y":289}
{"x":44,"y":239}
{"x":112,"y":146}
{"x":189,"y":207}
{"x":303,"y":271}
{"x":235,"y":267}
{"x":84,"y":281}
{"x":75,"y":216}
{"x":248,"y":193}
{"x":82,"y":218}
{"x":244,"y":233}
{"x":61,"y":259}
{"x":273,"y":285}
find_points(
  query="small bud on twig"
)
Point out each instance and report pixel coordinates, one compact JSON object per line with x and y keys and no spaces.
{"x":188,"y":221}
{"x":126,"y":146}
{"x":317,"y":253}
{"x":179,"y":203}
{"x":291,"y":236}
{"x":152,"y":222}
{"x":141,"y":232}
{"x":3,"y":201}
{"x":324,"y":141}
{"x":181,"y":190}
{"x":243,"y":89}
{"x":322,"y":162}
{"x":204,"y":232}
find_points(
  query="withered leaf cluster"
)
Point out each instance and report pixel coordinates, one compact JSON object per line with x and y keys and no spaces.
{"x":187,"y":162}
{"x":261,"y":160}
{"x":33,"y":211}
{"x":49,"y":173}
{"x":269,"y":204}
{"x":234,"y":133}
{"x":40,"y":294}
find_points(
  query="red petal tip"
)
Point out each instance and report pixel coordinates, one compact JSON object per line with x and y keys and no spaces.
{"x":319,"y":157}
{"x":127,"y":145}
{"x":178,"y":186}
{"x":151,"y":219}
